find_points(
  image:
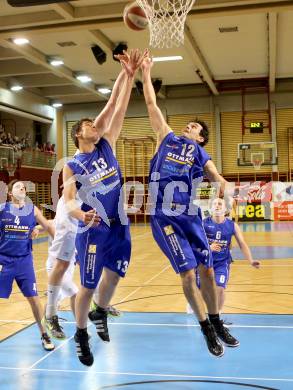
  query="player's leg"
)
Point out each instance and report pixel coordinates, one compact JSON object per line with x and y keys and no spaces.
{"x":26,"y":281}
{"x":107,"y":289}
{"x":37,"y":311}
{"x":172,"y":240}
{"x":210,"y":295}
{"x":221,"y":298}
{"x":116,"y":261}
{"x":193,"y":294}
{"x":62,"y":249}
{"x":90,"y":273}
{"x":111,"y":310}
{"x":222,"y":272}
{"x":208,"y":288}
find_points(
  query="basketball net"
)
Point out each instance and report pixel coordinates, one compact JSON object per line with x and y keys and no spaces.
{"x":11,"y":170}
{"x":166,"y":20}
{"x":257,"y":164}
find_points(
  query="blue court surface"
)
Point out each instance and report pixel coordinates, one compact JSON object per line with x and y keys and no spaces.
{"x":150,"y":351}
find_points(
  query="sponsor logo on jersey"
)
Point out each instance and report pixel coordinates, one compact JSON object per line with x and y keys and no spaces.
{"x":92,"y":249}
{"x":172,"y":146}
{"x":168,"y":230}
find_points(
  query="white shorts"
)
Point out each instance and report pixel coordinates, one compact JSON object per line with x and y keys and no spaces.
{"x":68,"y":287}
{"x":63,"y":245}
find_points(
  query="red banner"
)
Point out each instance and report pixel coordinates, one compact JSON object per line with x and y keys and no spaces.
{"x":283,"y":211}
{"x":256,"y":192}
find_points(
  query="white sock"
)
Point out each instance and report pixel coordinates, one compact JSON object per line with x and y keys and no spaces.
{"x":52,"y":300}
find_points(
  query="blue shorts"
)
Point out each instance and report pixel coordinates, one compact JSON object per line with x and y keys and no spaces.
{"x":20,"y":269}
{"x":222,"y":273}
{"x":100,"y":247}
{"x":183,"y":240}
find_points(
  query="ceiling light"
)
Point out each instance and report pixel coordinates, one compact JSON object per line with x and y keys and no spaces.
{"x":83,"y":78}
{"x":105,"y":91}
{"x":57,"y":105}
{"x":20,"y":41}
{"x":56,"y":62}
{"x":169,"y":58}
{"x":16,"y":88}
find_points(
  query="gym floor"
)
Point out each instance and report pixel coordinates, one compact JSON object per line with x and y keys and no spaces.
{"x":154,"y":344}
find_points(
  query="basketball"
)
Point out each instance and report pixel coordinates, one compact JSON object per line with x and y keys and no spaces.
{"x":135,"y":17}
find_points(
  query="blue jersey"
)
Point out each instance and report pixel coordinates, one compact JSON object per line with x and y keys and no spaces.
{"x":177,"y":167}
{"x":220,"y":233}
{"x":98,"y":180}
{"x":16,"y":225}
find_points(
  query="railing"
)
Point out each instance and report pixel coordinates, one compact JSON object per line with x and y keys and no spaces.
{"x":38,"y":159}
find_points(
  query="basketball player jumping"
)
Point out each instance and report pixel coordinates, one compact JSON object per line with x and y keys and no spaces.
{"x":103,"y":244}
{"x":63,"y":246}
{"x":177,"y":166}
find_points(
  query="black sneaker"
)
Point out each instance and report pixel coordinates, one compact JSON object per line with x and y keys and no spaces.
{"x":99,"y":318}
{"x":225,"y":336}
{"x":214,"y":345}
{"x":83,"y":349}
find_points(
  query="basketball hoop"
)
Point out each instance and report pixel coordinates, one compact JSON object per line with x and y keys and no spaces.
{"x":166,"y":19}
{"x":11,"y":170}
{"x":257,"y":160}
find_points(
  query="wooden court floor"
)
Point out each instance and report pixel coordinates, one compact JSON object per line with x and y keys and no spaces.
{"x":152,"y":286}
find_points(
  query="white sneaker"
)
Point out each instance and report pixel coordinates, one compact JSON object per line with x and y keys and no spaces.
{"x":189,"y":309}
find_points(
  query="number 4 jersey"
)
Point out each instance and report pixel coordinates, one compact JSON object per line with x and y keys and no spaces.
{"x":16,"y":225}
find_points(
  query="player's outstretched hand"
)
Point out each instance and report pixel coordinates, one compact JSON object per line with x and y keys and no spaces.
{"x":132,"y":61}
{"x":91,"y":218}
{"x":215,"y":247}
{"x":147,"y":62}
{"x":255,"y":263}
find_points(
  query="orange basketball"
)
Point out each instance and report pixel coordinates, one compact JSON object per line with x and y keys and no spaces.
{"x":134,"y":17}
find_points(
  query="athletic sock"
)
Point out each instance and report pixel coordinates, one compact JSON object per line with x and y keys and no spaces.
{"x":204,"y":324}
{"x":215,"y":319}
{"x":52,"y":300}
{"x":81,"y":331}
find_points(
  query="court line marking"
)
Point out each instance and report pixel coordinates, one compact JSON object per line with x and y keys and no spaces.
{"x":49,"y":353}
{"x":145,"y":283}
{"x":156,"y":324}
{"x":147,"y":374}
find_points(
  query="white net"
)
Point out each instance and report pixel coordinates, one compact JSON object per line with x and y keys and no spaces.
{"x":166,"y":20}
{"x":257,"y":160}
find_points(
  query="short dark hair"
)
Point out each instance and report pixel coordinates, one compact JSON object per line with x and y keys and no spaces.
{"x":204,"y":132}
{"x":76,"y":129}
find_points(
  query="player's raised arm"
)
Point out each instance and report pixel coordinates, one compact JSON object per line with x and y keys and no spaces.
{"x":102,"y":121}
{"x":44,"y":222}
{"x":157,"y":119}
{"x":88,"y":217}
{"x":130,"y":64}
{"x":244,"y":247}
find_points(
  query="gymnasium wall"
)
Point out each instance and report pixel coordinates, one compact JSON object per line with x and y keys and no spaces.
{"x":178,"y":112}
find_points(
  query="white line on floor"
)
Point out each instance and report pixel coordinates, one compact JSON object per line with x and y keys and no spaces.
{"x":145,"y":284}
{"x":149,"y":374}
{"x":161,"y":324}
